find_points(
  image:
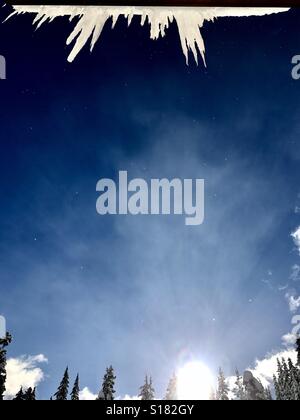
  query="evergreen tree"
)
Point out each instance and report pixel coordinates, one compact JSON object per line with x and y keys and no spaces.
{"x":287,"y":382}
{"x":277,"y":389}
{"x":63,"y":389}
{"x":298,"y":351}
{"x":171,"y":394}
{"x":75,"y":390}
{"x":100,"y":396}
{"x":294,"y":381}
{"x":20,"y":396}
{"x":223,"y":388}
{"x":239,"y":390}
{"x":268,"y":394}
{"x":107,"y":392}
{"x":29,"y":395}
{"x":147,"y":392}
{"x":279,"y":383}
{"x":4,"y":342}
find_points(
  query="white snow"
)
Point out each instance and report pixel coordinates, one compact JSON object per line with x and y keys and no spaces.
{"x":92,"y":19}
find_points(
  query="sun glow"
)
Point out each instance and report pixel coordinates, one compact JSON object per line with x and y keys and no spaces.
{"x":194,"y":382}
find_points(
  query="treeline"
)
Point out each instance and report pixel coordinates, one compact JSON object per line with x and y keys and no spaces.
{"x":286,"y":384}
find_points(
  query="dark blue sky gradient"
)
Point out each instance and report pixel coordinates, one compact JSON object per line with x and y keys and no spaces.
{"x":142,"y":292}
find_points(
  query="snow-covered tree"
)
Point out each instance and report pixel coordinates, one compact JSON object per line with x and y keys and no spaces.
{"x":63,"y":389}
{"x":75,"y":390}
{"x":4,"y":342}
{"x":223,"y":388}
{"x":277,"y":388}
{"x":147,"y":392}
{"x":294,"y":381}
{"x":171,"y":394}
{"x":279,"y":383}
{"x":298,"y":351}
{"x":287,"y":382}
{"x":239,"y":390}
{"x":268,"y":394}
{"x":107,"y":392}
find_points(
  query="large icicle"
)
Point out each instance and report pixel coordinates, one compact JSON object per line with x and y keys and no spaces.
{"x":93,"y":18}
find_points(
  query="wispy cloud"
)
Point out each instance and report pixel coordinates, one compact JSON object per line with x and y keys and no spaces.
{"x":23,"y":371}
{"x":296,"y":237}
{"x":293,"y":301}
{"x":295,"y":274}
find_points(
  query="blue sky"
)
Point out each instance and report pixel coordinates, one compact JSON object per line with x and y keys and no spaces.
{"x":146,"y":293}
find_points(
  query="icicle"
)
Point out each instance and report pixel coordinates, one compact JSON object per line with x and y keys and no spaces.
{"x":93,"y":18}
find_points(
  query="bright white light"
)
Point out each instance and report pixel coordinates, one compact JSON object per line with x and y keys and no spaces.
{"x":194,"y":382}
